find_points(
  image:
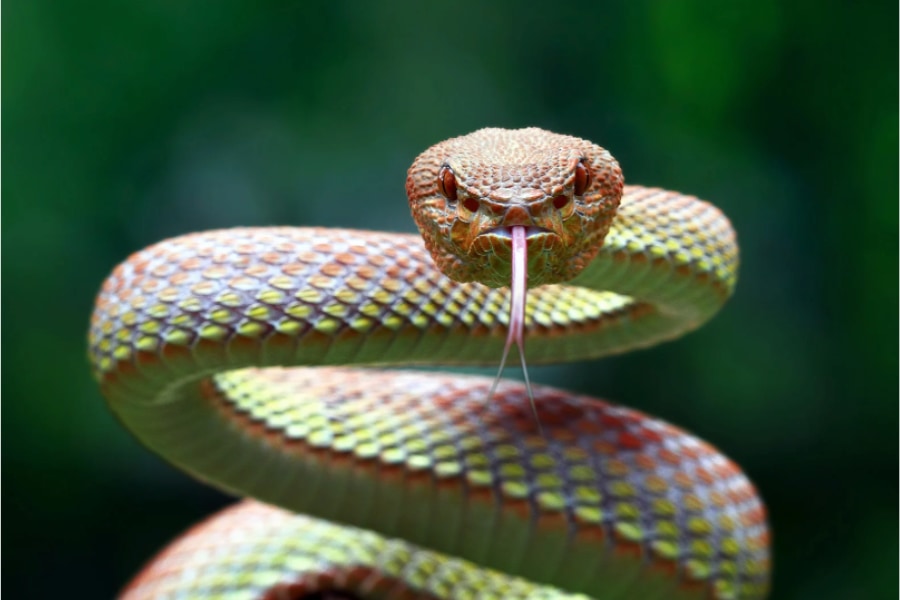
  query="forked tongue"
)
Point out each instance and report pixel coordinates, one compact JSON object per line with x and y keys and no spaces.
{"x":514,"y":334}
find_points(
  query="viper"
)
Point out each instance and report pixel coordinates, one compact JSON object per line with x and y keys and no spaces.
{"x":256,"y":359}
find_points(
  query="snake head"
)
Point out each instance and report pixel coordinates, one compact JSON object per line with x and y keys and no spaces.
{"x":467,"y":193}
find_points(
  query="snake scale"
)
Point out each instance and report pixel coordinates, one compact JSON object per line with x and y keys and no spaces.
{"x":229,"y":354}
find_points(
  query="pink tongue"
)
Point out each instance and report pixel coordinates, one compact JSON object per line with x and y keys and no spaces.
{"x":518,"y":286}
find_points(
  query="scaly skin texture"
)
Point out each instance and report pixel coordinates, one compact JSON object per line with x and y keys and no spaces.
{"x":607,"y":502}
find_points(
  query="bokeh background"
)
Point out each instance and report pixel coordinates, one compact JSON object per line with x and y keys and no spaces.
{"x":125,"y":123}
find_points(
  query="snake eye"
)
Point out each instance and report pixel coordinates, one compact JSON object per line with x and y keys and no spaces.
{"x":582,"y":178}
{"x":447,"y":183}
{"x":559,"y":202}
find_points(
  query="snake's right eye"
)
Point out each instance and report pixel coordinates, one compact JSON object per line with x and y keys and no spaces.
{"x":582,"y":178}
{"x":447,"y":183}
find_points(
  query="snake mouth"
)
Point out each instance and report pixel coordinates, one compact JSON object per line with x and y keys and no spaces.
{"x":505,"y":231}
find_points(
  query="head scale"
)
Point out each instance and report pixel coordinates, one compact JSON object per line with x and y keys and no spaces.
{"x":465,"y":194}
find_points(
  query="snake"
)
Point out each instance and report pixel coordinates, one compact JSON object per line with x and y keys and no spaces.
{"x":294,"y":366}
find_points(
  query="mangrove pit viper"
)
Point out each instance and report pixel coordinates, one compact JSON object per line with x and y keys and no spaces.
{"x":225,"y":352}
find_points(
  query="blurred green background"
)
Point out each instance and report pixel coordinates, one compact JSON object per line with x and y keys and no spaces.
{"x":125,"y":123}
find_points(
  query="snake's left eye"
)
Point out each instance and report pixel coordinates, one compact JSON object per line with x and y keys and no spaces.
{"x":582,"y":178}
{"x":447,"y":183}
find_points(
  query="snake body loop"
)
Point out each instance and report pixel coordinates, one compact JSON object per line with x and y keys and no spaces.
{"x":189,"y":341}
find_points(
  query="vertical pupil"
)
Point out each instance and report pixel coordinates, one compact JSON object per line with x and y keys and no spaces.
{"x":582,"y":178}
{"x":447,"y":183}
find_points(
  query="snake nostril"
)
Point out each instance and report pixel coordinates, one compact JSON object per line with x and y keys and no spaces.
{"x":560,"y":202}
{"x":471,"y":204}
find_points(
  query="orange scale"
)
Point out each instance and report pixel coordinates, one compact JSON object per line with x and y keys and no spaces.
{"x":670,"y":457}
{"x":603,"y":447}
{"x":401,"y":591}
{"x":110,"y":286}
{"x":670,"y":431}
{"x":293,"y":269}
{"x":190,"y":264}
{"x":628,"y":441}
{"x":204,"y":288}
{"x":702,"y":278}
{"x":285,"y":246}
{"x":589,"y":427}
{"x":689,"y":452}
{"x":589,"y":534}
{"x":616,"y":467}
{"x":137,"y":267}
{"x":172,"y":352}
{"x":683,"y":480}
{"x":645,"y":462}
{"x":256,"y":270}
{"x":704,"y":476}
{"x":562,"y":434}
{"x":744,"y":493}
{"x":655,"y":484}
{"x":699,"y":588}
{"x":734,"y":496}
{"x":551,"y":521}
{"x":650,"y":435}
{"x":272,"y":258}
{"x":277,"y":341}
{"x":391,"y":474}
{"x":625,"y":548}
{"x":725,"y":470}
{"x":662,"y":566}
{"x":345,"y":258}
{"x":121,"y":368}
{"x":333,"y":269}
{"x":520,"y":507}
{"x":482,"y":493}
{"x":621,"y":256}
{"x":692,"y":503}
{"x":661,"y":263}
{"x":753,"y":517}
{"x":309,"y":258}
{"x":609,"y":420}
{"x":718,"y":499}
{"x":215,"y":272}
{"x":162,"y":270}
{"x":240,"y":344}
{"x":550,"y":415}
{"x":178,"y":278}
{"x":295,"y":589}
{"x":480,"y":330}
{"x":391,"y":284}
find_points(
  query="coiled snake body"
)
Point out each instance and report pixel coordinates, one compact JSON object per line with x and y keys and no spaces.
{"x":190,"y":337}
